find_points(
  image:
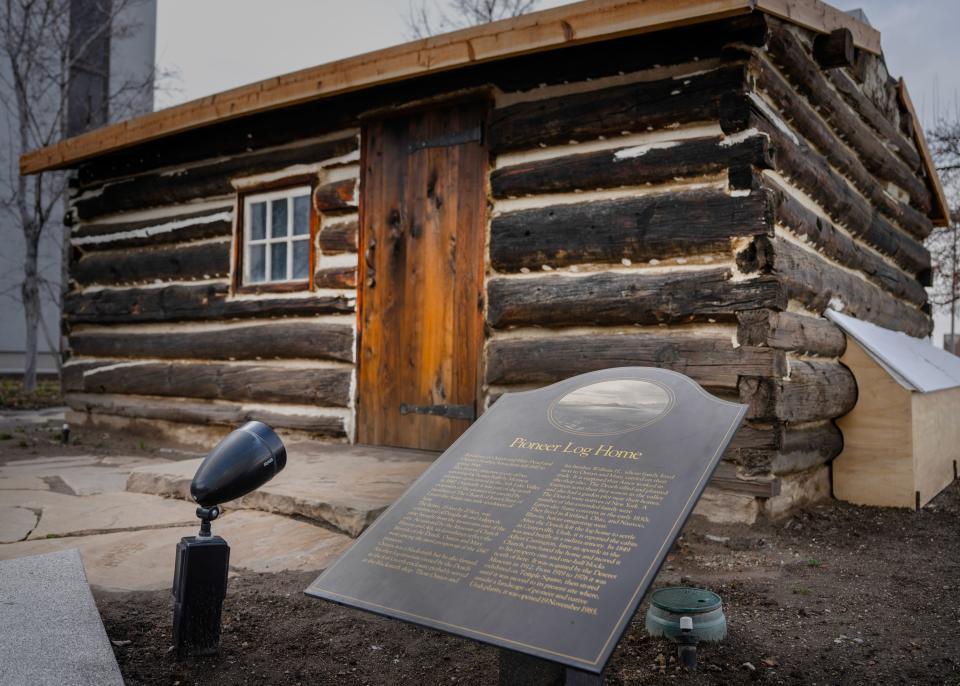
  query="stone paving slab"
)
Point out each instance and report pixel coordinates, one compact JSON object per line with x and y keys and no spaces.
{"x":346,"y":486}
{"x":77,"y":516}
{"x":50,"y":630}
{"x":16,"y":523}
{"x":81,"y":474}
{"x":94,"y":480}
{"x":33,"y":499}
{"x":22,"y":482}
{"x":70,"y":515}
{"x":143,"y":560}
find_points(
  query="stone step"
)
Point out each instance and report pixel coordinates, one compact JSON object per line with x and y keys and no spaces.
{"x":344,"y":486}
{"x":63,"y":515}
{"x":144,"y":560}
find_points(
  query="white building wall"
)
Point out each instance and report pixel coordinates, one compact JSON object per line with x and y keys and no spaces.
{"x":131,"y":61}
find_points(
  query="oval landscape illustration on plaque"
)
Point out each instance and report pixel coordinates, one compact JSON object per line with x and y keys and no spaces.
{"x":608,"y":408}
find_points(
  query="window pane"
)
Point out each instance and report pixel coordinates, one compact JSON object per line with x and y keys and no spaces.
{"x":278,"y":261}
{"x":258,"y":221}
{"x":301,"y":259}
{"x":256,"y":264}
{"x":278,"y":218}
{"x":301,"y":215}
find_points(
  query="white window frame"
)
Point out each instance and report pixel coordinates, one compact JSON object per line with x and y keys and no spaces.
{"x":268,"y":241}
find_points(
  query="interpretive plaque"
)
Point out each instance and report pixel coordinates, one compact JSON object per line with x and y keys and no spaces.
{"x":542,"y":527}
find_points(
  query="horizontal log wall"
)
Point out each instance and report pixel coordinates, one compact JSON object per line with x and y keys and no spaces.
{"x":704,"y":354}
{"x":214,"y":222}
{"x":640,"y":228}
{"x":633,"y":236}
{"x":787,"y":51}
{"x":154,"y":329}
{"x":630,"y":166}
{"x":123,"y":300}
{"x":285,"y":338}
{"x":848,"y":233}
{"x":812,"y":174}
{"x":185,"y":262}
{"x":203,"y":180}
{"x":831,"y":145}
{"x":606,"y":253}
{"x":629,"y":297}
{"x":638,"y":106}
{"x":295,"y":383}
{"x":318,"y":421}
{"x":182,"y":302}
{"x":817,"y":284}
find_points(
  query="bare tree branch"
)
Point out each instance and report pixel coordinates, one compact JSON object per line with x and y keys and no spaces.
{"x":38,"y":54}
{"x":430,"y":17}
{"x":944,"y":242}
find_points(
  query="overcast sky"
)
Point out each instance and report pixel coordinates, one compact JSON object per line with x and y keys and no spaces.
{"x":219,"y":44}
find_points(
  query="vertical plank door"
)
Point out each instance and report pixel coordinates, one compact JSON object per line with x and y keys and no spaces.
{"x":423,"y":218}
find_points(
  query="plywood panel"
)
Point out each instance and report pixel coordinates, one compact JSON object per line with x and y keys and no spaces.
{"x":876,"y":465}
{"x":936,"y":441}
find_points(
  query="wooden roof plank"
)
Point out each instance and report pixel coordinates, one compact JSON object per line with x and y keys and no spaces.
{"x":574,"y":24}
{"x":821,"y":17}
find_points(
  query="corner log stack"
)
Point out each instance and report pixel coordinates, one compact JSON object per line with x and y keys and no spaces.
{"x":691,"y":199}
{"x":806,"y":219}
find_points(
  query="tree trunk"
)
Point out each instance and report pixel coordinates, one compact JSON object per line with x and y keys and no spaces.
{"x":30,"y":294}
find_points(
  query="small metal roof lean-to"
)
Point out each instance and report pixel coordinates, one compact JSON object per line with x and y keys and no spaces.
{"x":914,"y":363}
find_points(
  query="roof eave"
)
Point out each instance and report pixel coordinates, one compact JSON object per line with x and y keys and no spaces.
{"x":574,"y":24}
{"x":940,"y":210}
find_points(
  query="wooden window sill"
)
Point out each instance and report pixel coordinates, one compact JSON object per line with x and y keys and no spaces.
{"x":284,"y":287}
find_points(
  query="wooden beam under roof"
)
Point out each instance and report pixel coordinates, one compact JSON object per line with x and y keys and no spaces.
{"x":575,"y":24}
{"x":940,"y":213}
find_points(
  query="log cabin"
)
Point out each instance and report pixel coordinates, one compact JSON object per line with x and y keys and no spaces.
{"x":373,"y":250}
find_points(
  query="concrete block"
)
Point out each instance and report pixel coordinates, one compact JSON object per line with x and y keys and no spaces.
{"x":50,"y":630}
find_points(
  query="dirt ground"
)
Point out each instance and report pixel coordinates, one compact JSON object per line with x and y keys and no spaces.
{"x":836,"y":594}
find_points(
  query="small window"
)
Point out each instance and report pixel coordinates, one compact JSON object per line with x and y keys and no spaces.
{"x":277,"y":237}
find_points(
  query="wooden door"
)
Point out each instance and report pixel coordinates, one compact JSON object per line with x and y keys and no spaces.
{"x":422,"y":231}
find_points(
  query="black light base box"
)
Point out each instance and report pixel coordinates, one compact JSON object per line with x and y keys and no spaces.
{"x":199,"y":587}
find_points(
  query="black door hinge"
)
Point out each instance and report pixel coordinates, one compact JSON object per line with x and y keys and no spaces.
{"x":449,"y":411}
{"x":471,"y":135}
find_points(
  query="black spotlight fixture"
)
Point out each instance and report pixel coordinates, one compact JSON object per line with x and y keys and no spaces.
{"x":242,"y":462}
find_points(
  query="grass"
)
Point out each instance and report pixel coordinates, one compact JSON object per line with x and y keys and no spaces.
{"x":4,"y":436}
{"x":813,"y":562}
{"x":13,"y":397}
